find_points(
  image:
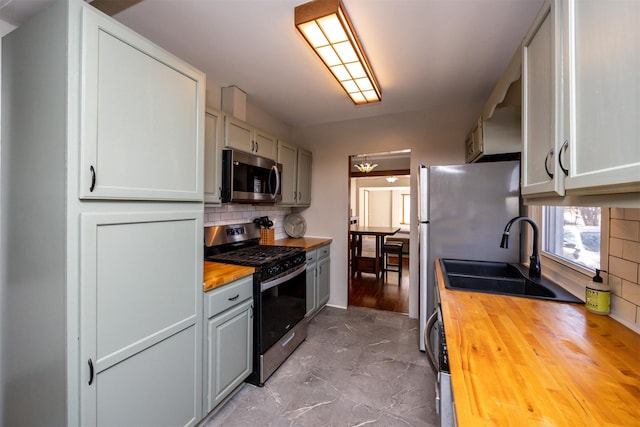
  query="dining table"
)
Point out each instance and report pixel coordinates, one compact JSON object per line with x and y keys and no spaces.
{"x":368,"y":264}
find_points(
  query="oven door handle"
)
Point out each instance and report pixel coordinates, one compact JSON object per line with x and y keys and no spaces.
{"x":427,"y":342}
{"x":275,"y":282}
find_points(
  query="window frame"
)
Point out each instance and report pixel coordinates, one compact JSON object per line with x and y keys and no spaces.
{"x":407,"y":214}
{"x":570,"y":276}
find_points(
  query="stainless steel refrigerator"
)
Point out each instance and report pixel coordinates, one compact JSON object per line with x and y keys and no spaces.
{"x":463,"y":210}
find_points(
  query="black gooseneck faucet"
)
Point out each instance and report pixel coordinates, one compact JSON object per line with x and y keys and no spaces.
{"x":534,"y":259}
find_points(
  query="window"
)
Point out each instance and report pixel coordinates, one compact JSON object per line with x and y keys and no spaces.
{"x":573,"y":234}
{"x":406,"y":204}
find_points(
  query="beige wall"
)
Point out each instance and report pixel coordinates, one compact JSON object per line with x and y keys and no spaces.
{"x":434,"y":137}
{"x":624,"y":264}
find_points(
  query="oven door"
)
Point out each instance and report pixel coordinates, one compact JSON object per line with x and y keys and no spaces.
{"x":283,"y":301}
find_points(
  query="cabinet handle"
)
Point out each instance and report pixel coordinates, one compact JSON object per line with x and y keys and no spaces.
{"x":563,"y":148}
{"x":299,"y":195}
{"x":93,"y":178}
{"x":234,"y":298}
{"x":546,"y":168}
{"x":90,"y":372}
{"x":219,"y":193}
{"x":257,"y":147}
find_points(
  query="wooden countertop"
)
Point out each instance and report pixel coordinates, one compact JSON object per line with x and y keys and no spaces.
{"x":217,"y":274}
{"x":520,"y":361}
{"x":308,"y":243}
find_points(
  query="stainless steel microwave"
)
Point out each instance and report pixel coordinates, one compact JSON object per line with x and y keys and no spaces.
{"x":247,"y":178}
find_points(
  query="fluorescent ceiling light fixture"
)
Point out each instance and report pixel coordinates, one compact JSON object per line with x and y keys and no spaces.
{"x":326,"y":27}
{"x":365,"y":167}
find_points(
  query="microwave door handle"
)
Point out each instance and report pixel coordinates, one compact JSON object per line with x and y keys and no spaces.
{"x":274,"y":169}
{"x":427,"y":342}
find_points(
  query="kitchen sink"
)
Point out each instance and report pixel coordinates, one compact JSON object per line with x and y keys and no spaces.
{"x":500,"y":278}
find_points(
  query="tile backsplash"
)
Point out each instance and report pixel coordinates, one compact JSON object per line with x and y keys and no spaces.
{"x":240,"y":214}
{"x":624,"y":264}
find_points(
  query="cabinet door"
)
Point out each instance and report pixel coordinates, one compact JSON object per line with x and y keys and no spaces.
{"x":304,"y":177}
{"x":602,"y":94}
{"x":213,"y":158}
{"x":311,"y":282}
{"x":230,"y":348}
{"x":265,"y":145}
{"x":323,"y":284}
{"x":142,"y":124}
{"x":540,"y":134}
{"x":287,"y":156}
{"x":238,"y":135}
{"x":141,"y":318}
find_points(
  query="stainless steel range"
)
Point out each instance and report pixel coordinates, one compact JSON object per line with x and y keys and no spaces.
{"x":279,"y":292}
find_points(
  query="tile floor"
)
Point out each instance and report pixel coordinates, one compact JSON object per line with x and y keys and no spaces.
{"x":357,"y":367}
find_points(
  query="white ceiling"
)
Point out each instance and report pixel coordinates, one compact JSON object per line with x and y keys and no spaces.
{"x":425,"y":53}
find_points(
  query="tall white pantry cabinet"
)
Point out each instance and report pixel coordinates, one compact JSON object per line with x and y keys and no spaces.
{"x":102,"y":205}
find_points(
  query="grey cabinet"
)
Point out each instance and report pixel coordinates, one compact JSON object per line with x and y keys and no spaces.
{"x":140,"y":323}
{"x":105,"y":296}
{"x":142,"y":123}
{"x":323,"y":275}
{"x":311,"y":282}
{"x":318,"y":278}
{"x":244,"y":137}
{"x":296,"y":174}
{"x":229,"y":335}
{"x":213,"y":157}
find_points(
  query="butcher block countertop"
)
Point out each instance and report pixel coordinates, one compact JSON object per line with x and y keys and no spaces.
{"x":217,"y":274}
{"x":308,"y":243}
{"x":523,"y":362}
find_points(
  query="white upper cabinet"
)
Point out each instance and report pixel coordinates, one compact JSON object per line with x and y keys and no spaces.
{"x":244,"y":137}
{"x":540,"y":107}
{"x":602,"y":95}
{"x":580,"y":100}
{"x":142,"y":125}
{"x":213,"y":157}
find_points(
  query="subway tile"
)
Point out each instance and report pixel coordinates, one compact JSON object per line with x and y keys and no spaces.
{"x":617,"y":213}
{"x":628,"y":230}
{"x":623,"y":309}
{"x":631,"y":292}
{"x":632,"y":214}
{"x":631,"y":251}
{"x":624,"y":269}
{"x":615,"y":284}
{"x":615,"y":247}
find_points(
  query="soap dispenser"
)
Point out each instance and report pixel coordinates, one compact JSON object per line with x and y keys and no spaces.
{"x":598,"y":295}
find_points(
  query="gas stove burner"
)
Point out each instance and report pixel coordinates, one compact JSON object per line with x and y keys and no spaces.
{"x":255,"y":256}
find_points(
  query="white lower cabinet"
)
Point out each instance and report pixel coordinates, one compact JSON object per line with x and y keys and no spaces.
{"x":318,"y":278}
{"x":229,"y":347}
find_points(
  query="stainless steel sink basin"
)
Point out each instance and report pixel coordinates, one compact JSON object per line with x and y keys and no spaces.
{"x":500,"y":278}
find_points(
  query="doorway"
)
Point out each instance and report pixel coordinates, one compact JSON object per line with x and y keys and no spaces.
{"x":380,"y":198}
